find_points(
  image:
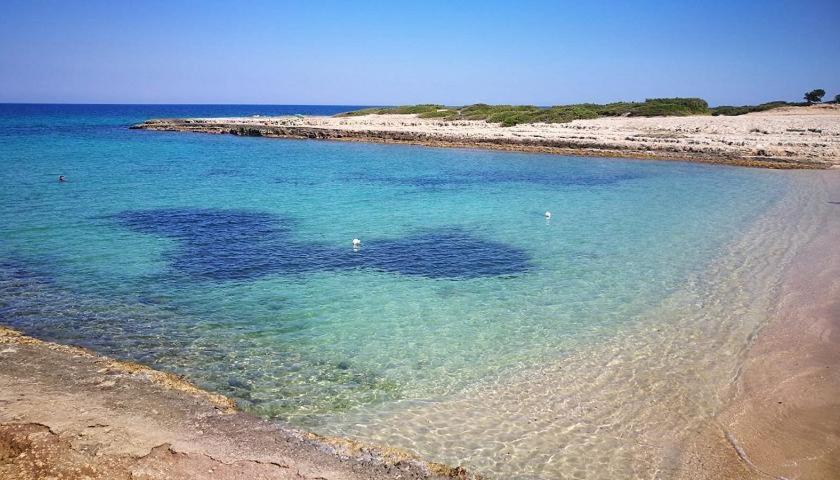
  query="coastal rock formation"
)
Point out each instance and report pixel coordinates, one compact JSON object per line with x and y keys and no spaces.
{"x":796,"y":137}
{"x":116,"y":420}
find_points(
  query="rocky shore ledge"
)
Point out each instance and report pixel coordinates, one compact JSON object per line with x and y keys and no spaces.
{"x":66,"y":412}
{"x":792,"y":137}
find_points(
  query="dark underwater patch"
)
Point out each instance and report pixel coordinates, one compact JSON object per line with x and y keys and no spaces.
{"x":238,"y":244}
{"x":222,"y":172}
{"x":153,"y":169}
{"x":226,"y":244}
{"x":294,"y":181}
{"x":455,"y":180}
{"x":445,"y":254}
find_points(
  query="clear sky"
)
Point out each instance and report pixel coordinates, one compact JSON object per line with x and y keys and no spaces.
{"x":391,"y":52}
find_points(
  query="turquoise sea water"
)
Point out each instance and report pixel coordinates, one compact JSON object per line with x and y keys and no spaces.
{"x":229,"y":260}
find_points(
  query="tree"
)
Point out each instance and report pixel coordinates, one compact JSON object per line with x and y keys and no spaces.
{"x":815,"y":96}
{"x":837,"y":99}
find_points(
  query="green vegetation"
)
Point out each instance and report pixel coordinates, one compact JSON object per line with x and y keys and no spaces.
{"x":815,"y":96}
{"x":422,"y":109}
{"x":509,"y":115}
{"x":731,"y":110}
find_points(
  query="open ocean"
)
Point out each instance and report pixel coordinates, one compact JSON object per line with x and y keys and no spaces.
{"x":467,"y":327}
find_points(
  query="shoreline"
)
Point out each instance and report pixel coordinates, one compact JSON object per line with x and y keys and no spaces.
{"x":783,"y":139}
{"x":782,"y":419}
{"x":683,"y":355}
{"x":110,"y":419}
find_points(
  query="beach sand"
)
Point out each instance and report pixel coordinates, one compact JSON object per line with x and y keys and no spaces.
{"x":791,"y":137}
{"x":784,"y":419}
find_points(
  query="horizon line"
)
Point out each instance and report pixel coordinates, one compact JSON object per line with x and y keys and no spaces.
{"x":244,"y":104}
{"x":380,"y":104}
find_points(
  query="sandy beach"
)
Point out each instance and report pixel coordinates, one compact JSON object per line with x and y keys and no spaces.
{"x":783,"y":421}
{"x":789,"y":137}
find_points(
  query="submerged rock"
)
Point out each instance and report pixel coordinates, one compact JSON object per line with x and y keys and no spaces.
{"x":237,"y":383}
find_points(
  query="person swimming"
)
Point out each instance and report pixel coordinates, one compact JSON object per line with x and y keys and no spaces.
{"x":61,"y":179}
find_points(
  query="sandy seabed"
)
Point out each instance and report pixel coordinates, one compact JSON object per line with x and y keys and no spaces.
{"x":690,"y":390}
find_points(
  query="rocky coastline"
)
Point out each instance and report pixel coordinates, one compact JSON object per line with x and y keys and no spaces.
{"x":66,"y":412}
{"x":798,"y":138}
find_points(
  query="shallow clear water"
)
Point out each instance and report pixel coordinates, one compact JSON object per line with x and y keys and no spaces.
{"x":229,"y":260}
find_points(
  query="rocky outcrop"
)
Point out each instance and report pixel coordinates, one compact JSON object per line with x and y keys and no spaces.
{"x":66,"y":412}
{"x":612,"y":140}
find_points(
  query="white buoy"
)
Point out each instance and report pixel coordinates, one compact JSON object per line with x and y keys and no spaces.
{"x":547,"y":214}
{"x":356,"y":243}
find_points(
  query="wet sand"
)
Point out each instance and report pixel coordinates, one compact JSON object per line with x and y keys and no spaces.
{"x":68,"y":413}
{"x":784,"y":419}
{"x":792,"y":137}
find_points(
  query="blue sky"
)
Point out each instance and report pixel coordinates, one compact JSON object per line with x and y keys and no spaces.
{"x":325,"y":52}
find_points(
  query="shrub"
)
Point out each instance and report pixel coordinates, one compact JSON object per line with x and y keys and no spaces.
{"x":732,"y":111}
{"x":509,"y":115}
{"x":408,"y":109}
{"x":815,"y":96}
{"x":359,"y":113}
{"x":441,"y":113}
{"x":659,"y":107}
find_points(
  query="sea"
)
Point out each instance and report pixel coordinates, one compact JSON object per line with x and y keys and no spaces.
{"x":467,"y":326}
